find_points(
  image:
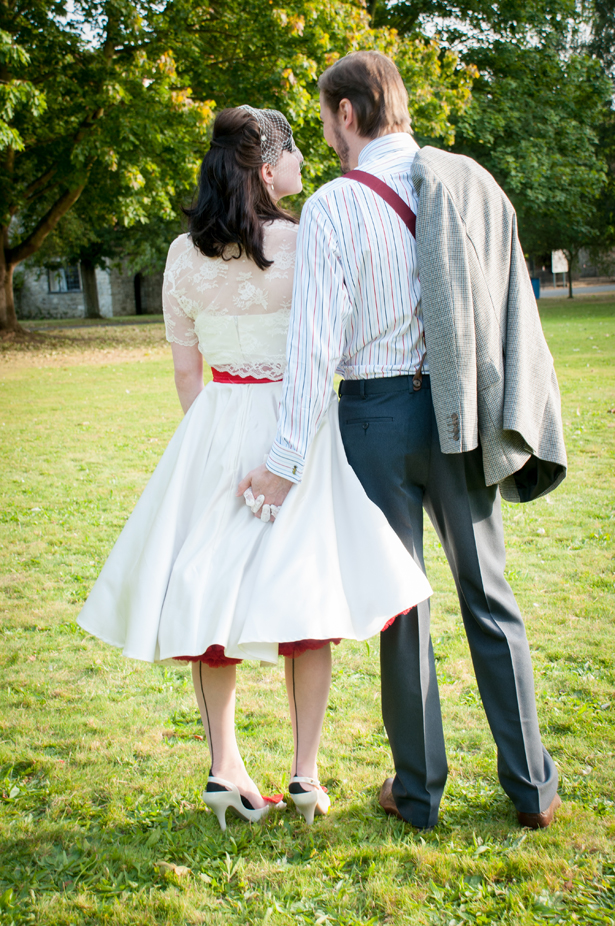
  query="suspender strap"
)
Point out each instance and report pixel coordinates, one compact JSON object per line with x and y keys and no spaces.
{"x":402,"y":208}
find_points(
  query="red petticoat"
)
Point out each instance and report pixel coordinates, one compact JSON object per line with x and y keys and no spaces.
{"x":219,"y":376}
{"x":214,"y":655}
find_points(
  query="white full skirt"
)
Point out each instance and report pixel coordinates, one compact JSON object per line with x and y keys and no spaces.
{"x":194,"y":568}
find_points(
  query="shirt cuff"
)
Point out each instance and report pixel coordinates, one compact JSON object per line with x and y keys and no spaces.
{"x":285,"y":463}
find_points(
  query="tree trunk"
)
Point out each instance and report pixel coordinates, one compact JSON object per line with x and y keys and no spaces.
{"x":10,"y":257}
{"x":570,"y":259}
{"x":90,"y":289}
{"x":8,"y":317}
{"x":138,"y":294}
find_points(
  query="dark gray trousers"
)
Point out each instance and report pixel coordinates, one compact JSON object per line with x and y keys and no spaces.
{"x":391,"y":441}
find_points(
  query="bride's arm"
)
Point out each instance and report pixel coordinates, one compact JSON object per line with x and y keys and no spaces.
{"x":188,"y":365}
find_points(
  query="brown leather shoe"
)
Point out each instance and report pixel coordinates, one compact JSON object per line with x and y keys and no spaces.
{"x":387,"y":801}
{"x":539,"y":821}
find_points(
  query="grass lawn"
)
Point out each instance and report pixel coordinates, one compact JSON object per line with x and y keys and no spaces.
{"x":102,"y":759}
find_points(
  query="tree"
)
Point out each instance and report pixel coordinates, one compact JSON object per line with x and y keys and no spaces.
{"x":539,"y":115}
{"x":602,"y":42}
{"x":602,"y":47}
{"x":93,"y":111}
{"x":120,"y":137}
{"x":534,"y":123}
{"x":468,"y":24}
{"x":254,"y":51}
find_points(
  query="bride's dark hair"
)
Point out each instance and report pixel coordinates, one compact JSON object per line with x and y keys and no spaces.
{"x":232,"y":202}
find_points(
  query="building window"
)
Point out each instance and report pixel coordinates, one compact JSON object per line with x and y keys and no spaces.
{"x":65,"y":280}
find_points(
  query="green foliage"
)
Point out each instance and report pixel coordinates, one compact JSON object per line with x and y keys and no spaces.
{"x":602,"y":42}
{"x":14,"y":92}
{"x":541,"y":113}
{"x":104,"y":121}
{"x":117,"y":120}
{"x":472,"y":23}
{"x":253,"y":51}
{"x":534,"y":123}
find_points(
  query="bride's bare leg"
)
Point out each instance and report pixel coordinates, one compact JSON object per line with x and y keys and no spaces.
{"x":215,"y":695}
{"x":308,"y":679}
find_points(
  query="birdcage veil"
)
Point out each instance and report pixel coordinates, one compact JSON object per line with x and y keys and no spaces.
{"x":276,"y":133}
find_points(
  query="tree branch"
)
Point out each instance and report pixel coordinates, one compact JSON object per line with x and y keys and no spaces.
{"x":40,"y":186}
{"x":34,"y":240}
{"x":87,"y":124}
{"x":31,"y":189}
{"x":9,"y":160}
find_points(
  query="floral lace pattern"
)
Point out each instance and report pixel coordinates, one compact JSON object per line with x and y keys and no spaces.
{"x":249,"y":295}
{"x":245,"y":345}
{"x":237,"y":314}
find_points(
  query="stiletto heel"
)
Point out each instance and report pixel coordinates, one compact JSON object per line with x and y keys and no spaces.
{"x":309,"y":803}
{"x":230,"y":798}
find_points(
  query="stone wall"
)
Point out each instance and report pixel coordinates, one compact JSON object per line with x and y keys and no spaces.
{"x":151,"y":294}
{"x":33,"y":299}
{"x":122,"y":293}
{"x":109,"y":292}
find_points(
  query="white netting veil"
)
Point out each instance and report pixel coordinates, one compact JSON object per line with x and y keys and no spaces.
{"x":276,"y":133}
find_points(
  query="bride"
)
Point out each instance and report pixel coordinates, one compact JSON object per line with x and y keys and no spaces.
{"x":193,"y":575}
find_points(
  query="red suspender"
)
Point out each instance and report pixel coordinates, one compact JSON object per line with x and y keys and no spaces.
{"x":402,"y":209}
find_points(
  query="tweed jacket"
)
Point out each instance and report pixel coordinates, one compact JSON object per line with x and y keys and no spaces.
{"x":492,"y":375}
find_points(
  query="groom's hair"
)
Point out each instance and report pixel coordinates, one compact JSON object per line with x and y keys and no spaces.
{"x":374,"y":86}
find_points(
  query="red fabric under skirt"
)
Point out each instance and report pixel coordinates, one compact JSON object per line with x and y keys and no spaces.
{"x":219,"y":376}
{"x":214,"y":655}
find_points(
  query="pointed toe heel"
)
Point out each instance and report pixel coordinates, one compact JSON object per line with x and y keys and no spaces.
{"x":309,"y":803}
{"x":227,"y":796}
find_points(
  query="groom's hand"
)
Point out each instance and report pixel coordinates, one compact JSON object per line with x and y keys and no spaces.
{"x":262,"y":482}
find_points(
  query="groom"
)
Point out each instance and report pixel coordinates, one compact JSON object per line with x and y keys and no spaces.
{"x":449,"y":400}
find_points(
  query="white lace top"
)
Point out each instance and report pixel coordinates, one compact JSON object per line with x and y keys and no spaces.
{"x":237,"y":314}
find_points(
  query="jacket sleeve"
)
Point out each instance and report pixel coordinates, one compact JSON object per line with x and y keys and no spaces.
{"x":531,"y":394}
{"x":480,"y":313}
{"x":447,"y":307}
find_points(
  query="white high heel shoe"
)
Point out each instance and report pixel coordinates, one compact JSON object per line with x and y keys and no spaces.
{"x":221,"y":801}
{"x":309,"y":803}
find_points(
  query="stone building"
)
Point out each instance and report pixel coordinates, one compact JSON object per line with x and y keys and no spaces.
{"x":81,"y":291}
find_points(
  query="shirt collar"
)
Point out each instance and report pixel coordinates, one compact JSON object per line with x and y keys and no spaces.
{"x":387,"y":145}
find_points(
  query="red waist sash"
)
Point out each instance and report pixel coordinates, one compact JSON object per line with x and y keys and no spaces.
{"x":221,"y":377}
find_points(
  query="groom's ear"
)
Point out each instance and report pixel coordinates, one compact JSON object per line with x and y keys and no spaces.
{"x":345,"y":114}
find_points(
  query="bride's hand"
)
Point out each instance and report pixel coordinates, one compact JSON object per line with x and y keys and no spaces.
{"x":263,"y":484}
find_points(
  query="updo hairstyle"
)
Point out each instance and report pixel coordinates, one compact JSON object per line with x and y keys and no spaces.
{"x":232,"y":202}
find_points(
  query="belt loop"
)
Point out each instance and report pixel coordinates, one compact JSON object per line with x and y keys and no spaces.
{"x":362,"y":388}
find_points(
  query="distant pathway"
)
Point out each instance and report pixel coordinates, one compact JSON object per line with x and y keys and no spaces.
{"x":562,"y":293}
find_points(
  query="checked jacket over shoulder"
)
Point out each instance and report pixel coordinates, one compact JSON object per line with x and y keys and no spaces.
{"x":492,"y":374}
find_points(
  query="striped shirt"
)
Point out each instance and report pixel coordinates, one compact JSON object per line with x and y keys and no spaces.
{"x":356,"y":296}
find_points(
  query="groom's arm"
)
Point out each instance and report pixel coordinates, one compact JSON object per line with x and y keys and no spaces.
{"x":315,"y":344}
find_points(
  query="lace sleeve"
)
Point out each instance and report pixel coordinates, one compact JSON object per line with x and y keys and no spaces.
{"x":179,"y":325}
{"x":281,"y":245}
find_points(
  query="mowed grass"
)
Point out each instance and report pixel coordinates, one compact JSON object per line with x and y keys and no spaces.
{"x":103,"y":759}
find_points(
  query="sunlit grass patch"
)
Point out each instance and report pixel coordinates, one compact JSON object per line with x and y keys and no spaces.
{"x":102,"y":759}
